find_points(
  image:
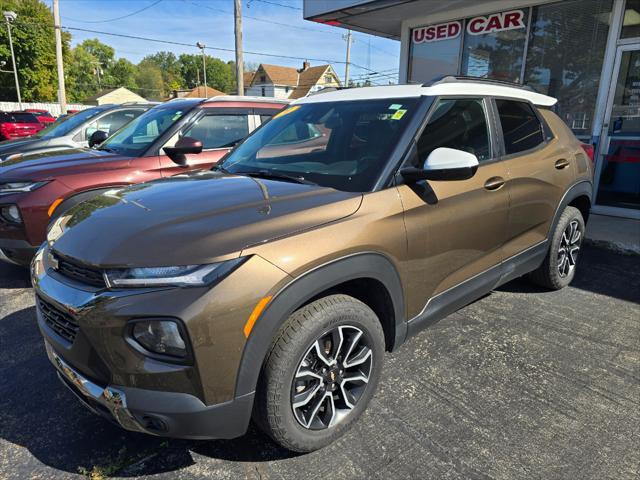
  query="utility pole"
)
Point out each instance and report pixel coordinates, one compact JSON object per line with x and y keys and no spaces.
{"x":202,"y":46}
{"x":237,"y":14}
{"x":349,"y":40}
{"x":10,"y":17}
{"x":62,"y":93}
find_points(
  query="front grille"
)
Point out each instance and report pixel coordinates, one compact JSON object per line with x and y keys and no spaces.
{"x":57,"y":320}
{"x":79,"y":272}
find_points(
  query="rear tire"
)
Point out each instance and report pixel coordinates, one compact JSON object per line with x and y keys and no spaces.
{"x":559,"y":266}
{"x":321,"y":372}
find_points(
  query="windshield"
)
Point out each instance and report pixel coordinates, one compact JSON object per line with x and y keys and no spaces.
{"x":134,"y":139}
{"x":65,"y":125}
{"x":342,"y":145}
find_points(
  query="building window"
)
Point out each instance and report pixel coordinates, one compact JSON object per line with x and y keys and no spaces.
{"x":286,"y":89}
{"x":631,"y":22}
{"x":328,"y":79}
{"x":263,"y":91}
{"x":433,"y":57}
{"x":494,"y":45}
{"x":263,"y":78}
{"x":565,"y":55}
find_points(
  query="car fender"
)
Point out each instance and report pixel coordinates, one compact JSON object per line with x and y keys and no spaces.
{"x":78,"y":197}
{"x":305,"y":287}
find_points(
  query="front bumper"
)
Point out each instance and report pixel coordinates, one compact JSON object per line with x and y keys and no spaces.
{"x":170,"y":414}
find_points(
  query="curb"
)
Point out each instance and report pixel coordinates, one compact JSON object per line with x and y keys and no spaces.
{"x":616,"y":247}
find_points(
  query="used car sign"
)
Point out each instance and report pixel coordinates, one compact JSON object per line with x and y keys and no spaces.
{"x":496,"y":22}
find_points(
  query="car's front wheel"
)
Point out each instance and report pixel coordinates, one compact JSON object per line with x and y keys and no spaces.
{"x":321,"y":372}
{"x":559,"y":267}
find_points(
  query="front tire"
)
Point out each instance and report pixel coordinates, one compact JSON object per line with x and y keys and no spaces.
{"x":320,"y":374}
{"x":559,"y":267}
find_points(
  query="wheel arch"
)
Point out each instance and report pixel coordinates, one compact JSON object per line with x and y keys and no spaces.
{"x":578,"y":195}
{"x":345,"y":275}
{"x":77,"y":197}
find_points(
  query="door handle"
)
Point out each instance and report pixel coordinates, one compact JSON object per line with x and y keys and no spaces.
{"x":494,"y":183}
{"x":562,"y":163}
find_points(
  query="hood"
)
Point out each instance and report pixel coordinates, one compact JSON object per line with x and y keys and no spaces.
{"x":9,"y":147}
{"x":194,"y":219}
{"x":41,"y":166}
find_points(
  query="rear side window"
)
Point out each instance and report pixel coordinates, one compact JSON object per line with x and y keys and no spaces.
{"x":459,"y":124}
{"x":219,"y":131}
{"x":521,"y":128}
{"x":24,"y":117}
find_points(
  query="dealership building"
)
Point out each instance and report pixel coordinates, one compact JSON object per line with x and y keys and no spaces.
{"x":586,"y":53}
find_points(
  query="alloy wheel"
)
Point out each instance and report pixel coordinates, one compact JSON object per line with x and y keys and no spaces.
{"x":331,"y":377}
{"x":569,"y":248}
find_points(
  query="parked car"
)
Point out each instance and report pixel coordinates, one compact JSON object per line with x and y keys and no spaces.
{"x":74,"y":131}
{"x":43,"y":116}
{"x":18,"y":125}
{"x":171,"y":138}
{"x":273,"y":285}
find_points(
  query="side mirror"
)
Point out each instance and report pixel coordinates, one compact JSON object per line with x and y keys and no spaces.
{"x":183,"y":146}
{"x":97,"y":138}
{"x":443,"y":164}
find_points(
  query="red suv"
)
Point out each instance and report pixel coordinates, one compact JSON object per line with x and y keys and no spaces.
{"x":171,"y":138}
{"x":43,"y":116}
{"x":18,"y":124}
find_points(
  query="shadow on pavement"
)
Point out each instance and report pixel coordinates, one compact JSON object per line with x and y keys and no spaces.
{"x":12,"y":276}
{"x":38,"y":413}
{"x":599,"y":271}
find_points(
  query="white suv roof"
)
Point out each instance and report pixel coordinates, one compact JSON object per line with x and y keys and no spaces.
{"x":448,"y":87}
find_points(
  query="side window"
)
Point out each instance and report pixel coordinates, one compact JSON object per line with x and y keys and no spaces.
{"x":265,"y":118}
{"x":459,"y":124}
{"x":521,"y":128}
{"x":219,"y":131}
{"x":112,"y":122}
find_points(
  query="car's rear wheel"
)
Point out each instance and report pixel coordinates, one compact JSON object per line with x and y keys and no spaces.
{"x":321,"y":372}
{"x":559,"y":267}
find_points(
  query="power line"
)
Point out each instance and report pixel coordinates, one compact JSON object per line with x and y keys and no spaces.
{"x":274,"y":3}
{"x":116,"y":18}
{"x":221,"y":49}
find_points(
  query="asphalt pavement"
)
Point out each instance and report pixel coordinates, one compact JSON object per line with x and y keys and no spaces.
{"x":523,"y":383}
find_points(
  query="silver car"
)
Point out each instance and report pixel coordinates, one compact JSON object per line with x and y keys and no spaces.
{"x":74,"y":131}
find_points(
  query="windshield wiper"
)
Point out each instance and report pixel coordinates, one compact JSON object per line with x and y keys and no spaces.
{"x":270,"y":175}
{"x":219,"y":168}
{"x":106,"y":149}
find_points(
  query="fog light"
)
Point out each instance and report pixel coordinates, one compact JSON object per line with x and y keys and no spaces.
{"x":160,"y":336}
{"x":11,"y":213}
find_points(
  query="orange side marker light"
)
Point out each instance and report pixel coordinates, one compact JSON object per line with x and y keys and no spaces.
{"x":255,"y":314}
{"x":53,"y":206}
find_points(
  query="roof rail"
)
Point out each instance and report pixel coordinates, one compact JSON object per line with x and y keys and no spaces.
{"x":235,"y":98}
{"x":491,"y":81}
{"x":138,"y":103}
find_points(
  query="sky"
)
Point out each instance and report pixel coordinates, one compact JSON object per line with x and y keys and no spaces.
{"x":274,"y":29}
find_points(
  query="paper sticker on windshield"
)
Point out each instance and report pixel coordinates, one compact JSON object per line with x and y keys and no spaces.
{"x":287,"y":111}
{"x":398,"y":115}
{"x":395,"y":106}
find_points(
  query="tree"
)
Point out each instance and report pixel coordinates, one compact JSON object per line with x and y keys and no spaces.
{"x":220,"y":75}
{"x":169,"y":68}
{"x":123,"y":73}
{"x":34,"y":46}
{"x":88,"y":69}
{"x":149,"y":80}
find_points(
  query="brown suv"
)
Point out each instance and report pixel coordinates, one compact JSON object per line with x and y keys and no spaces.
{"x":271,"y":286}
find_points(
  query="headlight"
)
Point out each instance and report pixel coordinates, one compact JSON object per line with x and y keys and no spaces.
{"x":182,"y":276}
{"x":16,"y":187}
{"x":160,"y":336}
{"x":11,"y":213}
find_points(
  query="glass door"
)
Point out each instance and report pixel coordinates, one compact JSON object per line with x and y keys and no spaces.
{"x":618,"y":169}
